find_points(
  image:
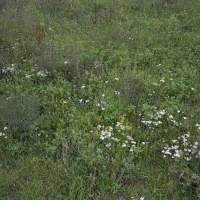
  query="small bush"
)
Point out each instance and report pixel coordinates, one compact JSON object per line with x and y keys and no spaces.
{"x":19,"y":113}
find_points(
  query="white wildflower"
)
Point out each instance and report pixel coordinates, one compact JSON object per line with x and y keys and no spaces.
{"x":123,"y":145}
{"x":129,"y":137}
{"x":108,"y":145}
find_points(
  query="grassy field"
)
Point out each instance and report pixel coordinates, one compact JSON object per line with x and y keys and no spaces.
{"x":100,"y":100}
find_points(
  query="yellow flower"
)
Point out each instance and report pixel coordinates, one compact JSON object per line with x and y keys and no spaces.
{"x":87,"y":136}
{"x":84,"y":127}
{"x":64,"y":102}
{"x":82,"y":42}
{"x":71,"y":40}
{"x":99,"y":119}
{"x":128,"y":128}
{"x":89,"y":124}
{"x":122,"y":119}
{"x":97,"y":133}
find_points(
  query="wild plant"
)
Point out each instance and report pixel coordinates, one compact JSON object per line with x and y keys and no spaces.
{"x":18,"y":113}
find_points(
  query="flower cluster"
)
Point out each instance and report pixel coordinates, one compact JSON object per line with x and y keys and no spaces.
{"x":141,"y":198}
{"x":3,"y":134}
{"x":28,"y":75}
{"x":198,"y":125}
{"x":181,"y":147}
{"x":116,"y":134}
{"x":42,"y":73}
{"x":153,"y":121}
{"x":175,"y":123}
{"x":102,"y":103}
{"x":38,"y":74}
{"x":8,"y":69}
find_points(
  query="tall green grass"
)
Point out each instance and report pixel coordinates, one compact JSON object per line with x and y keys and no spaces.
{"x":99,"y":99}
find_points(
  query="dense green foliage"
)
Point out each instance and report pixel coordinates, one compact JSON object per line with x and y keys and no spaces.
{"x":99,"y":99}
